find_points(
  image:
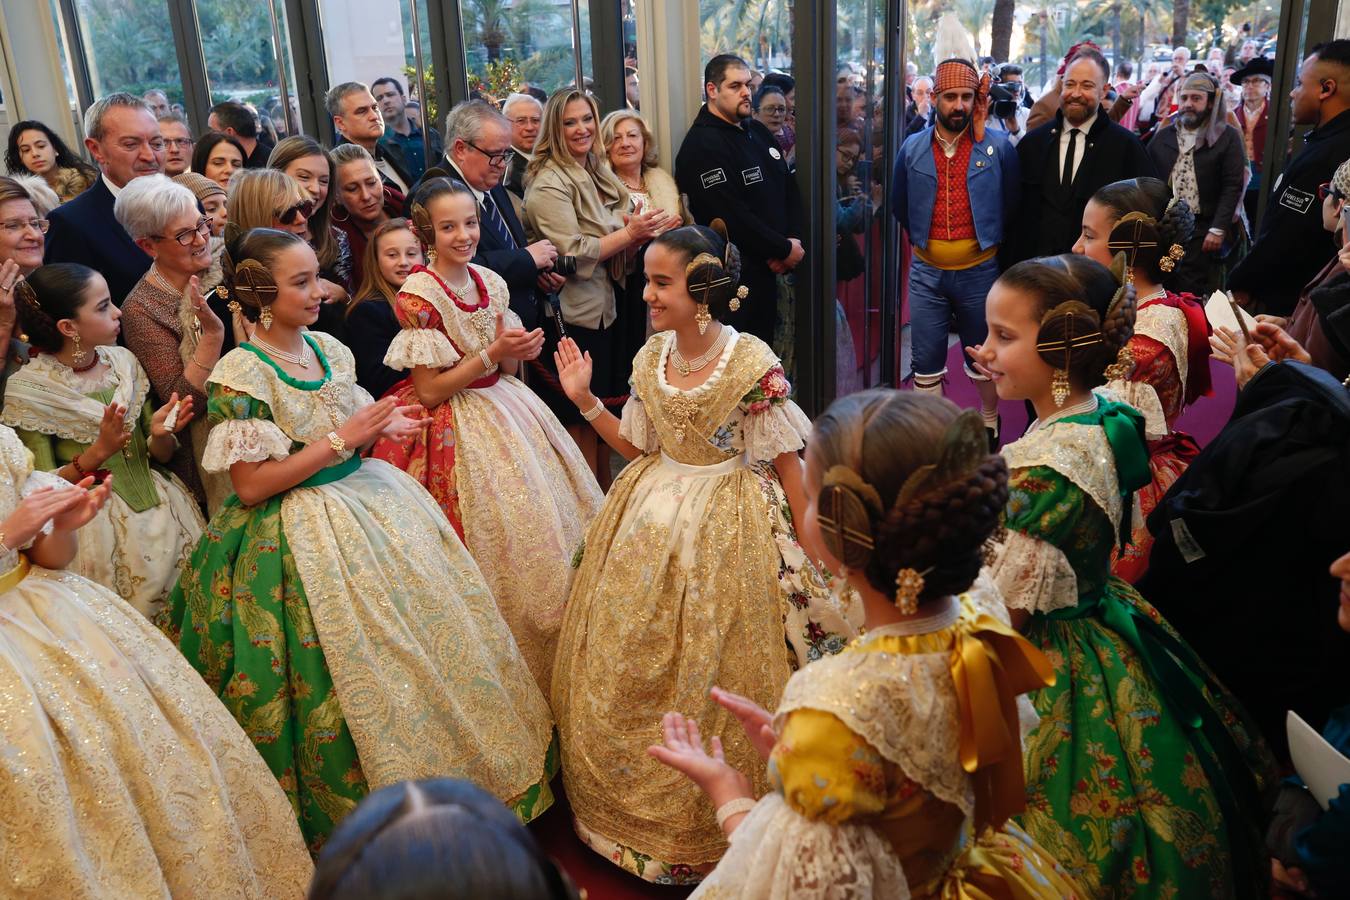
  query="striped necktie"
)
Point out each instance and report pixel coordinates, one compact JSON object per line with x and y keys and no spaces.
{"x":494,"y":221}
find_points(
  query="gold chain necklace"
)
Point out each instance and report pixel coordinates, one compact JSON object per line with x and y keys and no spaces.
{"x":686,"y":366}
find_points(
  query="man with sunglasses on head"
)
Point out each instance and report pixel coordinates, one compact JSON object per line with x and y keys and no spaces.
{"x":477,"y":153}
{"x":1291,"y":246}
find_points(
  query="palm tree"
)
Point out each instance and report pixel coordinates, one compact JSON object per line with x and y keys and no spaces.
{"x":487,"y":21}
{"x":1181,"y":13}
{"x":1000,"y":29}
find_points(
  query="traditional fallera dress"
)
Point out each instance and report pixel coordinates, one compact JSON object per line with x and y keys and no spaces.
{"x":139,"y":542}
{"x":121,"y":775}
{"x":510,"y":479}
{"x":870,"y":798}
{"x":342,"y":621}
{"x":691,"y":577}
{"x":1171,"y":352}
{"x":1144,"y":777}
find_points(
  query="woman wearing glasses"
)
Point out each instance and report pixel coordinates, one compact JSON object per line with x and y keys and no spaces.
{"x":36,"y":149}
{"x":176,"y":333}
{"x":22,"y":242}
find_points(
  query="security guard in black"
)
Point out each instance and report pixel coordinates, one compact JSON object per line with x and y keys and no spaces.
{"x":736,"y":172}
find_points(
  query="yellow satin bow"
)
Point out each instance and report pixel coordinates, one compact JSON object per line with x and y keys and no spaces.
{"x":991,"y":664}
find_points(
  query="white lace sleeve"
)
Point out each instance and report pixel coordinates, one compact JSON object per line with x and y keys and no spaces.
{"x":636,"y":428}
{"x":1143,"y":397}
{"x":244,"y":440}
{"x":361,"y":397}
{"x":420,"y":347}
{"x":764,"y":434}
{"x":778,"y":854}
{"x":1033,"y":574}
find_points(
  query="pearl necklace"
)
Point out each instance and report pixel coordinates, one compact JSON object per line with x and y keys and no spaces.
{"x":158,"y":278}
{"x":300,"y":359}
{"x":1085,"y":406}
{"x":686,"y":366}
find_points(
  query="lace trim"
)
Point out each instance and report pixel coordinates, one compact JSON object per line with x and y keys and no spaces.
{"x":1143,"y":397}
{"x":1033,"y":574}
{"x":904,"y":705}
{"x":1081,"y":453}
{"x":779,"y":429}
{"x":778,"y":854}
{"x":244,"y":440}
{"x":420,"y":347}
{"x":636,"y":427}
{"x":47,"y":397}
{"x":718,"y":369}
{"x":1167,"y":325}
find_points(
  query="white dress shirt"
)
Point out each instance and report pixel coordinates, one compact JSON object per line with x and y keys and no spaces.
{"x":1079,"y":148}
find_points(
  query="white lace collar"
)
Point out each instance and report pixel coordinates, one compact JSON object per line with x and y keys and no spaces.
{"x":943,"y":615}
{"x":1077,"y":409}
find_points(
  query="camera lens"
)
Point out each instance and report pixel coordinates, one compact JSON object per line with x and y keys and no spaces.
{"x":565,"y":266}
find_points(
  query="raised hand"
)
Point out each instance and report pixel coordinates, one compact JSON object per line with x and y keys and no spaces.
{"x":974,"y":354}
{"x":9,"y":277}
{"x":574,"y":370}
{"x":755,"y":719}
{"x":683,"y":751}
{"x":515,"y":343}
{"x":113,"y":433}
{"x":206,"y":316}
{"x":159,"y":424}
{"x":35,"y":511}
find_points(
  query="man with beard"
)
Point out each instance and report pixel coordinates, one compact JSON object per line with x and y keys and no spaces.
{"x":1253,"y":115}
{"x":1203,"y":157}
{"x":953,"y":187}
{"x":1064,"y":161}
{"x":732,"y":169}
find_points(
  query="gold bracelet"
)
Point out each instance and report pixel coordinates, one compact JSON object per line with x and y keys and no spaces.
{"x":338,"y":444}
{"x":192,"y":360}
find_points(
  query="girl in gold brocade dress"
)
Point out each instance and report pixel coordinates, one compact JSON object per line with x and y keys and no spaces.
{"x":121,"y":774}
{"x":506,"y":473}
{"x":896,"y":764}
{"x":691,"y":575}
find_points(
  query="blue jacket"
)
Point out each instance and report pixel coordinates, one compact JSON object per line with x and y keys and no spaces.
{"x":993,"y":181}
{"x":84,"y":230}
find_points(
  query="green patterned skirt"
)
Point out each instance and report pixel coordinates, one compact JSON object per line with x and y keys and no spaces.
{"x":1144,"y":778}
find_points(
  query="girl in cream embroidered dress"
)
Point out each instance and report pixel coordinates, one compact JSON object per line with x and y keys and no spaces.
{"x":494,"y":456}
{"x":693,"y":570}
{"x":121,"y":774}
{"x":139,"y":542}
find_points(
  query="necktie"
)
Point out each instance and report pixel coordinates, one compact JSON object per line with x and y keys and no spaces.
{"x":494,"y":221}
{"x":1067,"y":181}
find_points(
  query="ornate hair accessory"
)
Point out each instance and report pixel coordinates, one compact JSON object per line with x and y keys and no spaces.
{"x":846,"y":507}
{"x":254,"y":283}
{"x":1071,"y":311}
{"x":1174,"y":256}
{"x":24,"y":291}
{"x":1133,"y":232}
{"x":422,"y":226}
{"x":908,"y":587}
{"x":741,"y":293}
{"x":964,"y":448}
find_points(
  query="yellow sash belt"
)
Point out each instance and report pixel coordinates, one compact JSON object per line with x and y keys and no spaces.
{"x":11,"y":579}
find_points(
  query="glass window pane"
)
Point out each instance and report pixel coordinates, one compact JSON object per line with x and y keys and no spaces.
{"x":241,"y":58}
{"x":510,"y":44}
{"x":760,"y":31}
{"x":129,"y":47}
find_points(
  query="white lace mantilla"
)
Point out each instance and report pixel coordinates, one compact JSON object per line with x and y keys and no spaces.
{"x":1033,"y":574}
{"x":48,"y":397}
{"x":1166,"y":325}
{"x":244,"y":440}
{"x":778,"y":854}
{"x":1143,"y":397}
{"x":1081,"y":453}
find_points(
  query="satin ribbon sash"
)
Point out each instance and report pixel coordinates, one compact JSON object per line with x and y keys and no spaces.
{"x":11,"y":579}
{"x":330,"y":474}
{"x":1124,"y":427}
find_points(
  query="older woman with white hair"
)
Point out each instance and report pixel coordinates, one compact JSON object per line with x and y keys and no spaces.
{"x":176,"y":334}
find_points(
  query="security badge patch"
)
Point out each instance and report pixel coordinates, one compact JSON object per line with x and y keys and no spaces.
{"x":752,"y":176}
{"x":713,"y":177}
{"x":1299,"y":201}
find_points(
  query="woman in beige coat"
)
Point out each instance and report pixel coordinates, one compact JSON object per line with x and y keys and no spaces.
{"x":574,"y":200}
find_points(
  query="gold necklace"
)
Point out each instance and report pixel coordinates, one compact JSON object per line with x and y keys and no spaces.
{"x":686,"y":366}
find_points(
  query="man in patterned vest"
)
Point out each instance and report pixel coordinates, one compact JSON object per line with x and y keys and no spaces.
{"x":954,"y":184}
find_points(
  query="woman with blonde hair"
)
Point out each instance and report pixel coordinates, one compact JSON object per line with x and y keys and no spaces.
{"x":363,"y":202}
{"x":310,"y":164}
{"x":576,"y":201}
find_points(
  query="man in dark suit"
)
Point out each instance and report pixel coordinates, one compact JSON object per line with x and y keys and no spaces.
{"x":478,"y":147}
{"x":357,"y":119}
{"x":124,"y":139}
{"x":1066,"y":160}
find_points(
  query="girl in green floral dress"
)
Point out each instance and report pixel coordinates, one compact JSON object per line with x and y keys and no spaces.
{"x":1144,"y":777}
{"x":330,"y":603}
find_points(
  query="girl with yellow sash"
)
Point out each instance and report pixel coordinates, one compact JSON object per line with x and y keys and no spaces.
{"x":121,"y":775}
{"x":691,"y":574}
{"x":895,"y":765}
{"x":81,"y":405}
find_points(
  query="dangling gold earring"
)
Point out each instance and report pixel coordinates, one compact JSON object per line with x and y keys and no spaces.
{"x":265,"y":318}
{"x":431,"y":257}
{"x":1059,"y":388}
{"x":78,"y":356}
{"x":703,"y":318}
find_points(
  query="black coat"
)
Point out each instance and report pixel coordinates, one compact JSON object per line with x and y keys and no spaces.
{"x":85,"y":231}
{"x":1049,"y":220}
{"x":1219,"y":170}
{"x":1243,"y":541}
{"x":514,"y":264}
{"x":1292,"y":246}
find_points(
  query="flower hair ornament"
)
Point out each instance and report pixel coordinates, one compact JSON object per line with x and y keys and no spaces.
{"x":1176,"y":251}
{"x":422,"y":226}
{"x":255,"y":284}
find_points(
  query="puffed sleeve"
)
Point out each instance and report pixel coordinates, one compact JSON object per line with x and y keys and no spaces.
{"x":772,"y":424}
{"x":242,"y":430}
{"x":1029,"y":567}
{"x":826,"y":771}
{"x":421,"y":341}
{"x":635,"y":426}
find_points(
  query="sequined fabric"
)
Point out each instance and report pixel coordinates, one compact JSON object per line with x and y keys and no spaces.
{"x":121,"y":775}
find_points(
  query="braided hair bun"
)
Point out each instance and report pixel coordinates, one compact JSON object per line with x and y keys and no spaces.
{"x":714,"y":271}
{"x":907,"y":483}
{"x":1171,"y":219}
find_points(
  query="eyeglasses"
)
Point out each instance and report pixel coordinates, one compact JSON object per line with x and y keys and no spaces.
{"x":185,"y":237}
{"x":494,"y":159}
{"x":773,"y":110}
{"x":178,"y":142}
{"x":301,"y":210}
{"x":1324,"y":190}
{"x":14,"y":226}
{"x":525,"y":120}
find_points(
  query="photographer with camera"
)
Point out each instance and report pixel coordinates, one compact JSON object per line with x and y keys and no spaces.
{"x":1007,"y":112}
{"x":478,"y":142}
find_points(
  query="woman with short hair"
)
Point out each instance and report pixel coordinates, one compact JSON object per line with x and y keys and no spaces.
{"x":218,"y":156}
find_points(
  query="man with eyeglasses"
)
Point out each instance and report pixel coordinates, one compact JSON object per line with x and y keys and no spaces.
{"x":177,"y":144}
{"x":401,"y":128}
{"x":478,"y":151}
{"x":526,"y":115}
{"x":124,"y":139}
